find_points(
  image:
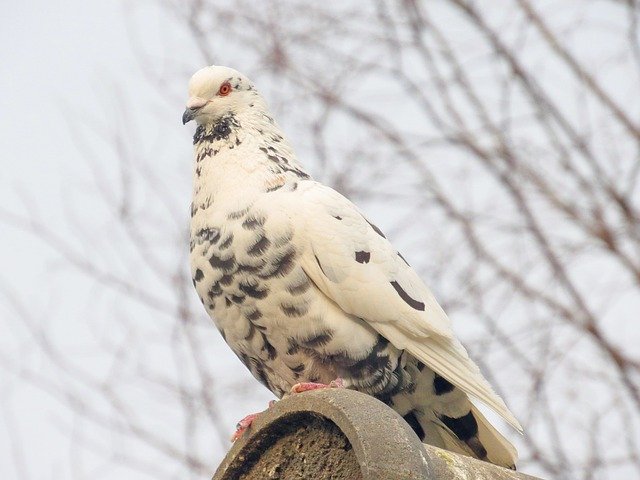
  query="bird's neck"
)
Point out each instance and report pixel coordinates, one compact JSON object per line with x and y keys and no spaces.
{"x":240,"y":157}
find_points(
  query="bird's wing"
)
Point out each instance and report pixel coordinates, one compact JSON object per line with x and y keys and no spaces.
{"x":356,"y":267}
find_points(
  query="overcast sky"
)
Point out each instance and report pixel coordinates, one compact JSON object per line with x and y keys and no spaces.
{"x":67,"y":67}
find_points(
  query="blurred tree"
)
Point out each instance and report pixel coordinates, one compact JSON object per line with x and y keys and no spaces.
{"x":497,"y":143}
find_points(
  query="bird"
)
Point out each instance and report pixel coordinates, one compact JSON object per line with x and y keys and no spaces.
{"x":308,"y":292}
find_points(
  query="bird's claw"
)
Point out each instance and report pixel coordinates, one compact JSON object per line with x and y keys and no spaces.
{"x":243,"y":425}
{"x":246,"y":422}
{"x":307,"y":386}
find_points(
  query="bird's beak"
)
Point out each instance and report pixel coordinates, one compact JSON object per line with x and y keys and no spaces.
{"x":188,"y":115}
{"x":193,"y":105}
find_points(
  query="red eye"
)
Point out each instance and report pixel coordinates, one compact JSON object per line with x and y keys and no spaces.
{"x":225,"y":89}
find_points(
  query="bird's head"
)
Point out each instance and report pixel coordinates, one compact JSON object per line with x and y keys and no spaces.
{"x":215,"y":92}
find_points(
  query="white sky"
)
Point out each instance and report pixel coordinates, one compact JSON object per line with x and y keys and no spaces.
{"x":59,"y":59}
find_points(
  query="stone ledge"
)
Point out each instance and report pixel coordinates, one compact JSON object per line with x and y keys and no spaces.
{"x":342,"y":434}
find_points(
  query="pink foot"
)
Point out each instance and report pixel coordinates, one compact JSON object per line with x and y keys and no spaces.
{"x":306,"y":386}
{"x":242,"y":425}
{"x":246,"y":422}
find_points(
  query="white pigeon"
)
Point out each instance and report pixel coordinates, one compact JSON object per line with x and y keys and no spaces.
{"x":304,"y":288}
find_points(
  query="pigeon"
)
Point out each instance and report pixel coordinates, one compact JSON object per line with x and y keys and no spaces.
{"x":307,"y":291}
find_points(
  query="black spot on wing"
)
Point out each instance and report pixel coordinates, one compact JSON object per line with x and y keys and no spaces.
{"x":199,"y":275}
{"x":337,"y":217}
{"x":255,"y":315}
{"x":376,"y":229}
{"x":403,"y":259}
{"x":405,"y":296}
{"x":363,"y":257}
{"x":441,"y":385}
{"x":413,"y":422}
{"x":464,"y":427}
{"x":320,"y":265}
{"x":420,"y":366}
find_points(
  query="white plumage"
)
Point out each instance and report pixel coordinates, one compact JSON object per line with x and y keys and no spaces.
{"x":304,"y":288}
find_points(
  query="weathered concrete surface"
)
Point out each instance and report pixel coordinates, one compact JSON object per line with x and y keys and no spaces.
{"x":341,"y":434}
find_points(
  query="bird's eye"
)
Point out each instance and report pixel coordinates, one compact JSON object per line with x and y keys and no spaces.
{"x":225,"y":89}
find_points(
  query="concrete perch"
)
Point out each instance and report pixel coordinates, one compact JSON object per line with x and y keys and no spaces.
{"x":341,"y":434}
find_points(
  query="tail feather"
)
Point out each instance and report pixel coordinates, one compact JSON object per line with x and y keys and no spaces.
{"x":442,"y":414}
{"x":487,"y":444}
{"x":499,"y":450}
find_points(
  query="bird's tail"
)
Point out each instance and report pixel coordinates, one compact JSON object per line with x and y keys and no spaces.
{"x":445,"y":417}
{"x":487,"y":444}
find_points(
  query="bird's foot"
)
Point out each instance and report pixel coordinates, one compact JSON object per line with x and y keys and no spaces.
{"x":243,"y":425}
{"x":246,"y":422}
{"x":306,"y":386}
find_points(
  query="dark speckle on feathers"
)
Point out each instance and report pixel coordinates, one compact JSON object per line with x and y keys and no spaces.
{"x":198,"y":275}
{"x":464,"y":427}
{"x":251,"y":223}
{"x":413,"y":422}
{"x":299,"y":288}
{"x":237,"y":214}
{"x":281,"y":266}
{"x":210,"y":235}
{"x":225,"y":264}
{"x":221,"y":130}
{"x":294,"y":310}
{"x":478,"y":448}
{"x":293,"y":347}
{"x":298,"y":368}
{"x":275,"y":187}
{"x":266,"y":346}
{"x":255,"y":315}
{"x":441,"y":385}
{"x":318,"y":340}
{"x":260,"y":246}
{"x":214,"y":291}
{"x":237,"y":298}
{"x":253,"y":291}
{"x":227,"y":242}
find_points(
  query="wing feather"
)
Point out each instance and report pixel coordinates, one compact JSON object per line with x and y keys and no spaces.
{"x":381,"y":288}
